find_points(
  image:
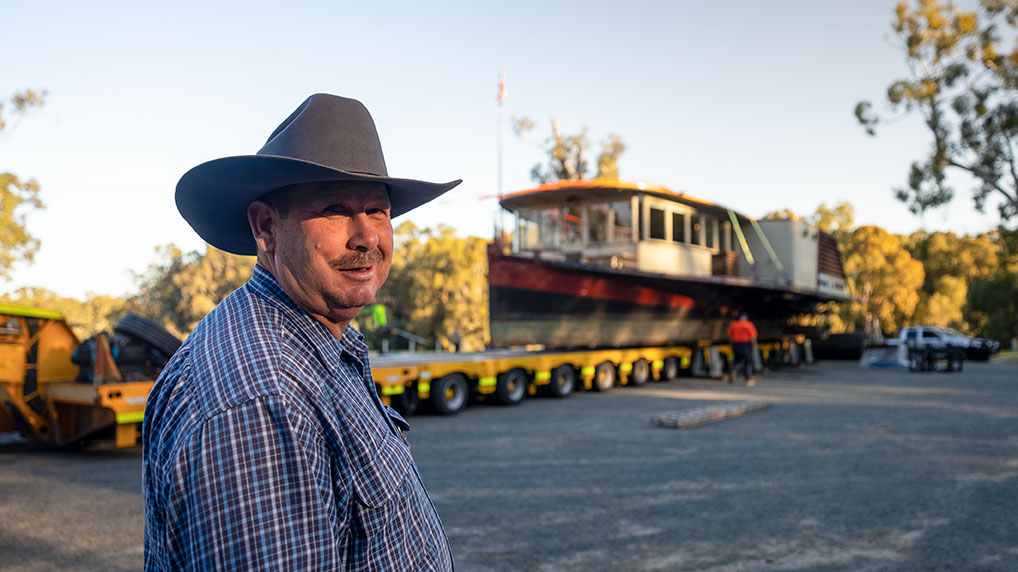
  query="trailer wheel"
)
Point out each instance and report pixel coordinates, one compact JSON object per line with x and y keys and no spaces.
{"x":670,"y":370}
{"x":406,"y":403}
{"x":449,"y":394}
{"x":641,"y":372}
{"x":563,"y":381}
{"x":149,"y":332}
{"x":511,"y":387}
{"x":604,"y":376}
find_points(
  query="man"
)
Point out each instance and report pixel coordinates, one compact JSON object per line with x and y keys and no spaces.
{"x":265,"y":444}
{"x":742,"y":334}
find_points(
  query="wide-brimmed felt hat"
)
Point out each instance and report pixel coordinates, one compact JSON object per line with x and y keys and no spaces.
{"x":327,"y":138}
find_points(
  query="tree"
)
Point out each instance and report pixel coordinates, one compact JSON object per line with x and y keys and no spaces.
{"x":97,"y":313}
{"x":783,"y":214}
{"x":951,"y":264}
{"x":181,"y":288}
{"x":993,"y":306}
{"x":964,"y":84}
{"x":883,"y":278}
{"x":17,"y":195}
{"x":567,"y":154}
{"x":436,"y":286}
{"x":838,"y":220}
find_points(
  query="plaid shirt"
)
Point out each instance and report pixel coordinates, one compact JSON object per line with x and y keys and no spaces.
{"x":267,"y":448}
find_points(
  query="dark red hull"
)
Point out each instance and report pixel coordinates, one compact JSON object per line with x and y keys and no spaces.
{"x":560,"y":305}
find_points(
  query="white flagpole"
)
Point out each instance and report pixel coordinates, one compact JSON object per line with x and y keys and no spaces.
{"x":498,"y":134}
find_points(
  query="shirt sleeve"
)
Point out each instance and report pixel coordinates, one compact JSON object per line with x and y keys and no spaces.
{"x":254,"y":491}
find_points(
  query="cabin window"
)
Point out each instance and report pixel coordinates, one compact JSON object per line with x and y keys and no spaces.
{"x":622,"y":221}
{"x":710,"y":231}
{"x":678,"y":227}
{"x":599,"y":215}
{"x":696,"y":234}
{"x":549,"y":229}
{"x":611,"y":222}
{"x":526,"y":230}
{"x":657,"y":223}
{"x":572,"y":226}
{"x":539,"y":229}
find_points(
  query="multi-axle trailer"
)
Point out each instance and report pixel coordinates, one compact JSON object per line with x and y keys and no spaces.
{"x":59,"y":391}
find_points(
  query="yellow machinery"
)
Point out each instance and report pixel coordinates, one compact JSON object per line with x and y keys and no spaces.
{"x":46,"y":397}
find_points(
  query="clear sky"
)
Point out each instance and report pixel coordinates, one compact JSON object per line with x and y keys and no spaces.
{"x":748,"y":104}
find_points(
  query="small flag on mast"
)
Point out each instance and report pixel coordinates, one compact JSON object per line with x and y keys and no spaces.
{"x":501,"y":86}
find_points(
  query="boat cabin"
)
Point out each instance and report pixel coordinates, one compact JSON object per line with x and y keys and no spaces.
{"x":646,"y":228}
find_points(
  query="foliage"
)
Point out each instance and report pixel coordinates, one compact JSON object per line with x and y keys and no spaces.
{"x":784,"y":214}
{"x":993,"y":306}
{"x":17,"y":195}
{"x":181,"y":288}
{"x":963,"y":82}
{"x":884,"y":279}
{"x":838,"y":220}
{"x":97,"y":313}
{"x":436,"y":286}
{"x":992,"y":303}
{"x":951,"y":264}
{"x":567,"y":154}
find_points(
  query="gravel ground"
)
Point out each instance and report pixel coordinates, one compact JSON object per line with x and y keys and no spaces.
{"x":850,"y":469}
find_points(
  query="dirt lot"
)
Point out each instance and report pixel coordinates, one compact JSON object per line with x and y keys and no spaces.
{"x":850,"y":470}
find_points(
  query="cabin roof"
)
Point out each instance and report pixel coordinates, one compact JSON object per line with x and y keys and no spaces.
{"x":559,"y":192}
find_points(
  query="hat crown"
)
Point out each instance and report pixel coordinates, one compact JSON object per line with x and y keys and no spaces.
{"x":329,"y":130}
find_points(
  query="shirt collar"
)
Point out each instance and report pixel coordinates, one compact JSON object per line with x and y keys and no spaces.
{"x":263,"y":282}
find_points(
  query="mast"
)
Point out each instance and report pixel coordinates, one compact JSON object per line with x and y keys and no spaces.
{"x":499,"y":224}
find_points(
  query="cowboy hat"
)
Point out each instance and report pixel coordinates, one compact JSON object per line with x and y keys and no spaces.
{"x":327,"y":138}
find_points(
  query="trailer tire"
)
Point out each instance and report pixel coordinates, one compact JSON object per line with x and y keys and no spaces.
{"x":640,"y":373}
{"x":563,"y":381}
{"x":605,"y":376}
{"x":670,"y":370}
{"x":449,"y":394}
{"x":511,"y":386}
{"x":149,"y":332}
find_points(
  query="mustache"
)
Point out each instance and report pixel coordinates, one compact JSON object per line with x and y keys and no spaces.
{"x":358,"y":260}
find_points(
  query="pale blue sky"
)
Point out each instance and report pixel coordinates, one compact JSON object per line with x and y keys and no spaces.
{"x":748,"y":104}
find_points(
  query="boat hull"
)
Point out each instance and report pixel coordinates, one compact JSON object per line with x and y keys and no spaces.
{"x":562,"y":305}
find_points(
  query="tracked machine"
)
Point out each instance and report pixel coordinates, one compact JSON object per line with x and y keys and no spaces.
{"x":58,"y":391}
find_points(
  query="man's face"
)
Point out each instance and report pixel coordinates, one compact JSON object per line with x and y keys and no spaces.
{"x":332,"y":247}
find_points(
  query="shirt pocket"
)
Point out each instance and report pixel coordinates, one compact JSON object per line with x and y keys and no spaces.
{"x":402,"y":426}
{"x":378,"y":480}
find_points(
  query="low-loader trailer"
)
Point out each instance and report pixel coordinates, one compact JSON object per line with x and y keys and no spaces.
{"x":446,"y":382}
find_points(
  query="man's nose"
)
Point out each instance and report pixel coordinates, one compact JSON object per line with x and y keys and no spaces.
{"x":363,"y":235}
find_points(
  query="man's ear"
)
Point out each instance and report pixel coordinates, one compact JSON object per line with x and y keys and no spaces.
{"x":262,"y":218}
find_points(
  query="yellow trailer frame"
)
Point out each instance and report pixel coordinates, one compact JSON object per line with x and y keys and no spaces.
{"x":398,"y":376}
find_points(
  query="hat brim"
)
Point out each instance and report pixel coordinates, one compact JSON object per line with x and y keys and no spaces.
{"x":213,"y":197}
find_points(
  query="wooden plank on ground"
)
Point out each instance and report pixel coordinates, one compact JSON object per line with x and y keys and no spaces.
{"x":710,"y":413}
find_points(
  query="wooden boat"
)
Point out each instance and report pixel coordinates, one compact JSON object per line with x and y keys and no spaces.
{"x":604,"y":262}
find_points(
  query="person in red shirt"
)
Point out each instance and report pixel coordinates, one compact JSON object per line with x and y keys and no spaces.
{"x":742,"y":334}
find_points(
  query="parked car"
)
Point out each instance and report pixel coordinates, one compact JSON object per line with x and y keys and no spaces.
{"x":941,"y":337}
